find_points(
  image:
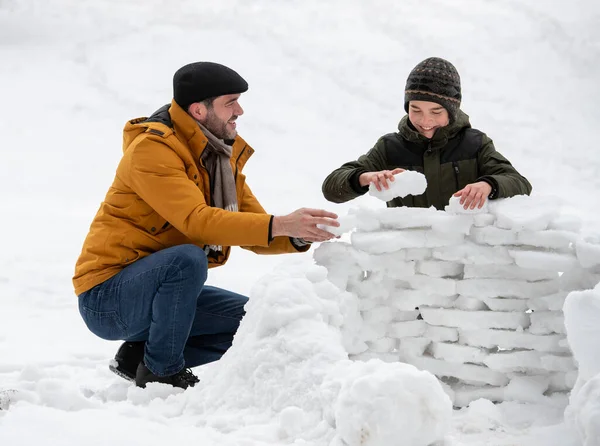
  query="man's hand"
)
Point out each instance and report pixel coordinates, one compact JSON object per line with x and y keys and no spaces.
{"x":379,"y":179}
{"x":474,"y":194}
{"x":303,"y":224}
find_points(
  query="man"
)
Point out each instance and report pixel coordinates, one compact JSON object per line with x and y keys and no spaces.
{"x":178,"y":202}
{"x":436,"y":139}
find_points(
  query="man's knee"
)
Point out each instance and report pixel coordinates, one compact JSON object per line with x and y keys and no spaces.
{"x":241,"y":303}
{"x":188,"y":263}
{"x":190,"y":257}
{"x":237,"y":302}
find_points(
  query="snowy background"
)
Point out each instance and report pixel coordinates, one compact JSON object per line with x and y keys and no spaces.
{"x":326,"y":80}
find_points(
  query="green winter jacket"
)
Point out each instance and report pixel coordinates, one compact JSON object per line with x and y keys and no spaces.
{"x":457,"y":155}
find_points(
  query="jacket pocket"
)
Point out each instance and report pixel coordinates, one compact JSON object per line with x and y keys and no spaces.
{"x":151,"y":221}
{"x":155,"y":224}
{"x":99,"y":313}
{"x":104,"y":324}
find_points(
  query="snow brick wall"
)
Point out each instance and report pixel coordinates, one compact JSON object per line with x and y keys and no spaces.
{"x":474,"y":297}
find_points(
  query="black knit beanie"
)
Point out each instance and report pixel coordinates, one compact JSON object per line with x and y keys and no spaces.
{"x":434,"y":80}
{"x":198,"y":81}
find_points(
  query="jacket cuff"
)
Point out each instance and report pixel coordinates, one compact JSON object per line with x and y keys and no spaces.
{"x":299,"y":243}
{"x":493,"y":184}
{"x":355,"y":184}
{"x":271,"y":229}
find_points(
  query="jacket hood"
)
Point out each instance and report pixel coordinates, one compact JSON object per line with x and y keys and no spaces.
{"x":441,"y":136}
{"x":171,"y":119}
{"x":159,"y":123}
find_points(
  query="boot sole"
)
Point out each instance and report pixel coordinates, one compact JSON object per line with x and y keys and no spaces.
{"x":119,"y":372}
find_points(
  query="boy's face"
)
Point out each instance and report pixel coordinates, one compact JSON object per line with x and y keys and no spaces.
{"x":427,"y":117}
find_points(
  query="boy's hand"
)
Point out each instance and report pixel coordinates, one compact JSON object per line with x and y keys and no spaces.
{"x":474,"y":194}
{"x":379,"y":179}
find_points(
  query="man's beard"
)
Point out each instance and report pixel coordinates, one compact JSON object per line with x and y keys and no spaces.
{"x":218,"y":127}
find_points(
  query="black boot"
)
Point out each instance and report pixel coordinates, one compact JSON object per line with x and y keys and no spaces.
{"x":182,"y":379}
{"x":127,"y":359}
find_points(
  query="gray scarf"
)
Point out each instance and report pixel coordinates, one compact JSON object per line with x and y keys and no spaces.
{"x":216,"y":158}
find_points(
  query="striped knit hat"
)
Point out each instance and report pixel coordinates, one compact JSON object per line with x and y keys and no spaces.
{"x":434,"y":80}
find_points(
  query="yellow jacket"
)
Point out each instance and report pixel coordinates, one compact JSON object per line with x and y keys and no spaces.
{"x":160,"y":197}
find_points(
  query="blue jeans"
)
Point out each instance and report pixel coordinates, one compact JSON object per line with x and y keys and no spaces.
{"x":162,"y":299}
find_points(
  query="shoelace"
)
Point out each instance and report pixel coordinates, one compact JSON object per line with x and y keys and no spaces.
{"x":187,"y":376}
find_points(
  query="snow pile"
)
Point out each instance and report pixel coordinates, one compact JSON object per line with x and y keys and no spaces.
{"x":288,"y":363}
{"x":582,"y":319}
{"x":474,"y":297}
{"x":379,"y":403}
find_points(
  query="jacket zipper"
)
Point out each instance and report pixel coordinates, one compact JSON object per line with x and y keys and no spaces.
{"x":428,"y":150}
{"x":209,"y":182}
{"x":236,"y":161}
{"x":456,"y":172}
{"x":235,"y":177}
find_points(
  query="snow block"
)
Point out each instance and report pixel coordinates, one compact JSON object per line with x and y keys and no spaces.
{"x":474,"y":319}
{"x":548,"y":261}
{"x":482,"y":288}
{"x":405,"y":183}
{"x":508,"y":339}
{"x":467,"y":372}
{"x":507,"y":272}
{"x":439,"y":268}
{"x":588,"y":251}
{"x":472,"y":253}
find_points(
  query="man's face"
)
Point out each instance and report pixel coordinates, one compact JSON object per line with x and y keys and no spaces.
{"x":427,"y":117}
{"x":220,"y":117}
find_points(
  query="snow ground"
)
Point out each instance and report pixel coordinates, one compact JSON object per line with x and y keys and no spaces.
{"x":326,"y":80}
